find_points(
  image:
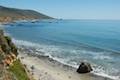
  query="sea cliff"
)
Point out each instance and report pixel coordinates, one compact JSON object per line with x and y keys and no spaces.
{"x":11,"y":67}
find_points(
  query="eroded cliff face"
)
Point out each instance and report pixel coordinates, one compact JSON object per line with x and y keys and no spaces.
{"x":8,"y":54}
{"x":7,"y":47}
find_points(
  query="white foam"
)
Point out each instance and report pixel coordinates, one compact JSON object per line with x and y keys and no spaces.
{"x":107,"y":76}
{"x":48,"y":49}
{"x":100,"y":72}
{"x":102,"y":57}
{"x":25,"y":43}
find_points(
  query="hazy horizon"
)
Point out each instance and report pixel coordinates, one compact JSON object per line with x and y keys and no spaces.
{"x":73,"y":9}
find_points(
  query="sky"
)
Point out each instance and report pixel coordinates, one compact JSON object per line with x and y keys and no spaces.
{"x":70,"y":9}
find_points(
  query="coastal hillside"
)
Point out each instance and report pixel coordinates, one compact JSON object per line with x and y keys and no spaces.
{"x":11,"y":14}
{"x":11,"y":68}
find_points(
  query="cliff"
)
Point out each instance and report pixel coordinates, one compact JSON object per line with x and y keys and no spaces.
{"x":10,"y":67}
{"x":11,"y":14}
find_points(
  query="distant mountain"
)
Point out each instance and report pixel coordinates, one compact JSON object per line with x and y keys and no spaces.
{"x":11,"y":14}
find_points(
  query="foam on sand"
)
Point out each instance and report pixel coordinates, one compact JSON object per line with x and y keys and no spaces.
{"x":44,"y":69}
{"x":45,"y":51}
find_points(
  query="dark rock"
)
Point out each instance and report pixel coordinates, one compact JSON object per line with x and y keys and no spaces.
{"x":84,"y":68}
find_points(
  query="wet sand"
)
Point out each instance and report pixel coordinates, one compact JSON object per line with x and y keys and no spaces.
{"x":44,"y":68}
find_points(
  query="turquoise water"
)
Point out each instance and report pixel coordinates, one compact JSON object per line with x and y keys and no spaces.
{"x":73,"y":41}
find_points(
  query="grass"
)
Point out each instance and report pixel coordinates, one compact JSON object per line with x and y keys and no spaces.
{"x":18,"y":70}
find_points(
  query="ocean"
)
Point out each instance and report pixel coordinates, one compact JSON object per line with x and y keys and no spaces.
{"x":72,"y":41}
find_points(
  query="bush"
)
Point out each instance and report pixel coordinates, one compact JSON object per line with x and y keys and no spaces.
{"x":11,"y":45}
{"x":14,"y":49}
{"x":5,"y":48}
{"x":18,"y":70}
{"x":8,"y":40}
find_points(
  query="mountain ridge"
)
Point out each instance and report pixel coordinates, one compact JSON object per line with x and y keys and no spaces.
{"x":11,"y":14}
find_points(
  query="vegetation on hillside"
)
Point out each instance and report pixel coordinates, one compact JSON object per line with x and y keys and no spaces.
{"x":10,"y":67}
{"x":11,"y":14}
{"x":19,"y":71}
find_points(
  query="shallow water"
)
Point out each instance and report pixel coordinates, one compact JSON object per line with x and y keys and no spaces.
{"x":73,"y":41}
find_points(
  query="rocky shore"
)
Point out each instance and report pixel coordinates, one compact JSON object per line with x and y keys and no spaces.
{"x":11,"y":67}
{"x":39,"y":67}
{"x":45,"y":68}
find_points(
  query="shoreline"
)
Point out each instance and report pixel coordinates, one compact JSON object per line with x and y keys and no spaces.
{"x":48,"y":69}
{"x":53,"y":64}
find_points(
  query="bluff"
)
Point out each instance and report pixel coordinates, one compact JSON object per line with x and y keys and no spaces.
{"x":11,"y":14}
{"x":10,"y":66}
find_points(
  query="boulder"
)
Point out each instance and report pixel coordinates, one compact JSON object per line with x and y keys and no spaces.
{"x":84,"y":68}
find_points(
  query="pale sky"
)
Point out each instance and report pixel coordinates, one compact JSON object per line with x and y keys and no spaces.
{"x":70,"y":9}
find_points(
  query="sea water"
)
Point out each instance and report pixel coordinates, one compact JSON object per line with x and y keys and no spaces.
{"x":73,"y":41}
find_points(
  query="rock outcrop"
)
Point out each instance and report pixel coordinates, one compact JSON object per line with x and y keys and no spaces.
{"x":7,"y":49}
{"x":8,"y":54}
{"x":84,"y":68}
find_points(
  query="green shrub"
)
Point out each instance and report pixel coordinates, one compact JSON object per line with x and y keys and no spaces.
{"x":14,"y":49}
{"x":5,"y":48}
{"x":8,"y":40}
{"x":18,"y":70}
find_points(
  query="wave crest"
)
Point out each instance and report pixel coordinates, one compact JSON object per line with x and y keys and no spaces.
{"x":51,"y":50}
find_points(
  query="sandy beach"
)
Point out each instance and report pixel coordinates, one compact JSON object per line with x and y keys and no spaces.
{"x":46,"y":69}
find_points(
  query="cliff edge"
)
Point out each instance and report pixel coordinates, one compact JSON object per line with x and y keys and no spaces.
{"x":10,"y":66}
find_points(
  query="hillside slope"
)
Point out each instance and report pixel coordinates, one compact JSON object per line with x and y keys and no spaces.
{"x":11,"y":67}
{"x":10,"y":14}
